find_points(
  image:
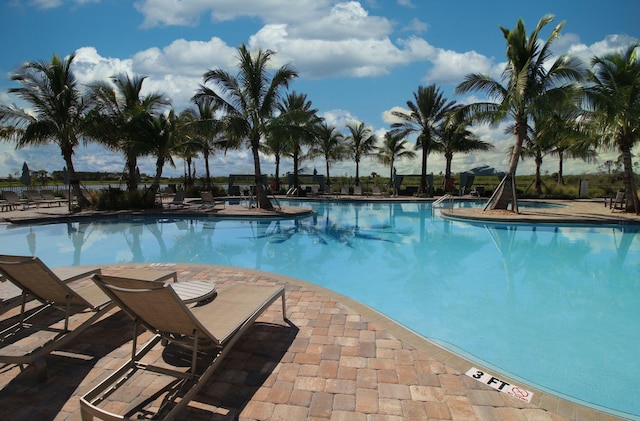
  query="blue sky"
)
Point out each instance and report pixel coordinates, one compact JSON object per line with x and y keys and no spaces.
{"x":356,"y":60}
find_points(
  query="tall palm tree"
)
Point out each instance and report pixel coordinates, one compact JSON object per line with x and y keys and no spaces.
{"x":423,"y":118}
{"x":361,"y":141}
{"x":564,"y":132}
{"x":57,"y":112}
{"x":530,"y":85}
{"x":296,"y":125}
{"x":394,"y":147}
{"x":329,"y":145}
{"x":276,"y":145}
{"x":614,"y":99}
{"x":162,"y":132}
{"x":454,"y":137}
{"x":118,"y":114}
{"x":206,"y":129}
{"x":249,"y":101}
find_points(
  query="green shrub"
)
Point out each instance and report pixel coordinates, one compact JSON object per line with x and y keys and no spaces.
{"x":116,"y":199}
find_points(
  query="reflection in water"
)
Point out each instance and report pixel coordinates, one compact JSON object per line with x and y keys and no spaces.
{"x":550,"y":304}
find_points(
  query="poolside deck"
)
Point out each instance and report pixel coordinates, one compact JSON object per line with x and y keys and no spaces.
{"x":339,"y":361}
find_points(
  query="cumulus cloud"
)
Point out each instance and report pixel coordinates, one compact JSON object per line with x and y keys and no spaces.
{"x":451,"y":67}
{"x":417,"y":26}
{"x":187,"y":13}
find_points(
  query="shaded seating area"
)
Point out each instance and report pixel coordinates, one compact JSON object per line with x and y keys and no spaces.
{"x":65,"y":310}
{"x":208,"y":331}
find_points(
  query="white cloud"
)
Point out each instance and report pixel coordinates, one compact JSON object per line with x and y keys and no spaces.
{"x":450,"y":67}
{"x":186,"y":13}
{"x":417,"y":26}
{"x":45,"y":4}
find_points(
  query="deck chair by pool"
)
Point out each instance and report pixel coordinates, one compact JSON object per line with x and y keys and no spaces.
{"x":357,"y":190}
{"x":178,"y":200}
{"x":66,"y":310}
{"x":51,"y":198}
{"x":12,"y":200}
{"x":208,"y":330}
{"x":617,"y":202}
{"x":209,"y":201}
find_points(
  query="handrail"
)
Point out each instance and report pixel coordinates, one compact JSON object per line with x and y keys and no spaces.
{"x":440,"y":200}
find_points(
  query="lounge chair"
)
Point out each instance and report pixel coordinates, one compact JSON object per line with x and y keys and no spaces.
{"x":49,"y":197}
{"x":617,"y":202}
{"x":208,"y":200}
{"x":12,"y":200}
{"x":36,"y":197}
{"x":344,"y":190}
{"x":207,"y":330}
{"x":59,"y":300}
{"x":178,"y":200}
{"x":357,"y":190}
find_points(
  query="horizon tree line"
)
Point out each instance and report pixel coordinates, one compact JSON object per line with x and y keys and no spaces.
{"x":561,"y":108}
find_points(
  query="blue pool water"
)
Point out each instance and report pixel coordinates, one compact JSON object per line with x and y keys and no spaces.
{"x":555,"y":306}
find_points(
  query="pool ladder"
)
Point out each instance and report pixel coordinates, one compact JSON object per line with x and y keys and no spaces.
{"x":438,"y":203}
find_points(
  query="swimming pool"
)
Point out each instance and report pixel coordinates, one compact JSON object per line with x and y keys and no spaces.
{"x":555,"y":306}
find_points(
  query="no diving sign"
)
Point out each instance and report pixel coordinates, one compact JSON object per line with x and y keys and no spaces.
{"x":499,"y":384}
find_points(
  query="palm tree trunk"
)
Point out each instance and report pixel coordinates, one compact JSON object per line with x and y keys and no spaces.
{"x":560,"y":166}
{"x":132,"y":184}
{"x":206,"y":167}
{"x":156,"y":179}
{"x":505,"y":193}
{"x":423,"y":173}
{"x":628,"y":177}
{"x":74,"y":180}
{"x":538,"y":177}
{"x":261,"y":194}
{"x":448,"y":185}
{"x":277,"y":172}
{"x":328,"y":178}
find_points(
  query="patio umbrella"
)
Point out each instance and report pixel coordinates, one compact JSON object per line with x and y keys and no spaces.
{"x":26,"y":177}
{"x":65,"y":175}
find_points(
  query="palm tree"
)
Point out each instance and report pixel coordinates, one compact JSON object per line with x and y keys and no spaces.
{"x":206,"y":130}
{"x":454,"y":137}
{"x":423,"y":118}
{"x":249,"y":101}
{"x":118,"y":114}
{"x":614,"y":99}
{"x":530,"y":85}
{"x":276,"y":145}
{"x":564,"y":132}
{"x":329,"y":145}
{"x":57,"y":112}
{"x":361,"y":142}
{"x":162,"y":132}
{"x":296,"y":125}
{"x":394,"y":147}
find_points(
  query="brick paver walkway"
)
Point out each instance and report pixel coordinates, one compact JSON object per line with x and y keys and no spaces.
{"x":331,"y":363}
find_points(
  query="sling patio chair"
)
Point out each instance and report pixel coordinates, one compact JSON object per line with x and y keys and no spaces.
{"x":209,"y":200}
{"x":178,"y":200}
{"x":66,"y":309}
{"x":208,"y":329}
{"x":12,"y":200}
{"x":49,"y":197}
